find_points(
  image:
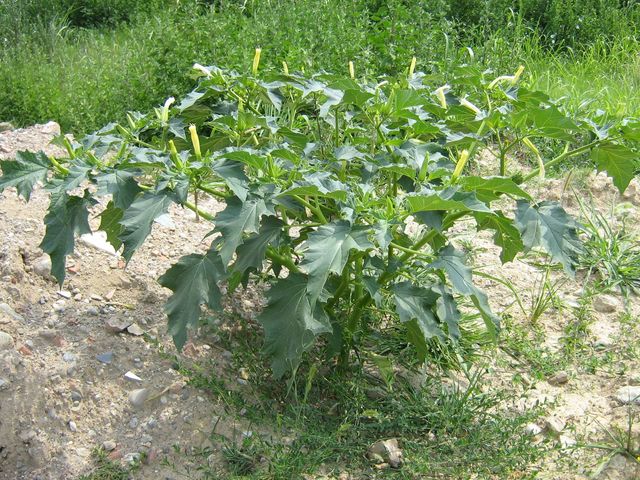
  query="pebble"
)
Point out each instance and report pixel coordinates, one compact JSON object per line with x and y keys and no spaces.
{"x":27,"y":435}
{"x":117,"y":325}
{"x":64,"y":294}
{"x":131,"y":458}
{"x":606,"y":304}
{"x":386,"y":452}
{"x":6,"y":341}
{"x":3,"y":382}
{"x":105,"y":358}
{"x":559,"y":378}
{"x":69,"y":357}
{"x":628,"y":394}
{"x":72,"y":426}
{"x":566,"y":442}
{"x":138,"y":397}
{"x":7,"y":310}
{"x":108,"y":445}
{"x":135,"y":330}
{"x":555,"y":425}
{"x":93,"y":311}
{"x":132,"y":376}
{"x":76,"y":396}
{"x":533,"y":429}
{"x":42,"y":266}
{"x":133,"y":423}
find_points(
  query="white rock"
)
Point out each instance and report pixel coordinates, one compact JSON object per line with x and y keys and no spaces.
{"x":98,"y":240}
{"x":10,"y":312}
{"x":6,"y":341}
{"x":108,"y":445}
{"x":566,"y":442}
{"x":72,"y":426}
{"x":606,"y":304}
{"x":42,"y":266}
{"x":386,"y":451}
{"x":533,"y":429}
{"x":132,"y":376}
{"x":555,"y":425}
{"x":135,"y":330}
{"x":138,"y":397}
{"x":64,"y":294}
{"x":628,"y":394}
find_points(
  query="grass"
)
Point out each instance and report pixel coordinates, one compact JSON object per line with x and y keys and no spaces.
{"x":324,"y":420}
{"x":84,"y":75}
{"x":106,"y":469}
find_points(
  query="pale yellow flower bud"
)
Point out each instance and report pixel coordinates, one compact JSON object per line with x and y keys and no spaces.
{"x":256,"y":61}
{"x":195,"y":140}
{"x":462,"y":162}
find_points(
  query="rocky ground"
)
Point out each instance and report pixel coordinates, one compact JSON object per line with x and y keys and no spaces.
{"x":84,"y":367}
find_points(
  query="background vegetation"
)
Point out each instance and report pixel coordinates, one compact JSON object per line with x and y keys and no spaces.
{"x":84,"y":63}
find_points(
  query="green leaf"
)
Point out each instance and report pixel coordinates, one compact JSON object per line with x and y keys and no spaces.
{"x":449,"y":199}
{"x":417,"y":304}
{"x":291,"y":323}
{"x":78,"y":173}
{"x":459,"y":274}
{"x":68,"y":215}
{"x":138,"y":220}
{"x":507,"y":236}
{"x":327,"y":251}
{"x":233,"y":175}
{"x":620,"y":163}
{"x":194,"y":282}
{"x":24,"y":172}
{"x":547,"y":225}
{"x":121,"y":184}
{"x":236,"y":219}
{"x":110,"y":224}
{"x":491,"y":188}
{"x":251,"y":253}
{"x":320,"y":184}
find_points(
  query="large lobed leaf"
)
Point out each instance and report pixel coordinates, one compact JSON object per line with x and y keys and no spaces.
{"x":291,"y":322}
{"x":24,"y":172}
{"x":194,"y":282}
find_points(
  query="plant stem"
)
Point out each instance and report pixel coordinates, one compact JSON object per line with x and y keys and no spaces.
{"x":282,"y":260}
{"x":213,"y":192}
{"x":315,"y":209}
{"x":197,"y":211}
{"x":564,"y":156}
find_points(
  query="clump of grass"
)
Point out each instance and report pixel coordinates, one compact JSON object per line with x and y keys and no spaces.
{"x":611,"y":254}
{"x":105,"y":469}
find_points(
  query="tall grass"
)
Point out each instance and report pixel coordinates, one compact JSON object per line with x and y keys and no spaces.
{"x":53,"y":66}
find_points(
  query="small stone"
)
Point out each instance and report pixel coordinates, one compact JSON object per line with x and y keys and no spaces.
{"x":3,"y":382}
{"x":117,"y":325}
{"x":72,"y":426}
{"x":242,"y":381}
{"x":105,"y":358}
{"x":533,"y":429}
{"x":567,"y":442}
{"x":76,"y":396}
{"x":146,"y":440}
{"x":69,"y":357}
{"x":42,"y":267}
{"x":559,"y":378}
{"x":135,"y":330}
{"x":6,"y":341}
{"x":24,"y":350}
{"x":83,"y":452}
{"x":98,"y":241}
{"x":64,"y":294}
{"x":555,"y":425}
{"x":93,"y":311}
{"x":628,"y":394}
{"x":133,"y":423}
{"x":7,"y":310}
{"x":138,"y":397}
{"x":386,"y":451}
{"x":96,"y":298}
{"x":606,"y":304}
{"x":109,"y":295}
{"x":108,"y":445}
{"x":132,"y":377}
{"x":27,"y":435}
{"x":131,"y":458}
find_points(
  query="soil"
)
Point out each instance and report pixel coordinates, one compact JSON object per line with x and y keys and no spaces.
{"x":63,"y":389}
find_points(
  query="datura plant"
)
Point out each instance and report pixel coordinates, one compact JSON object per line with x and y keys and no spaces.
{"x":339,"y":196}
